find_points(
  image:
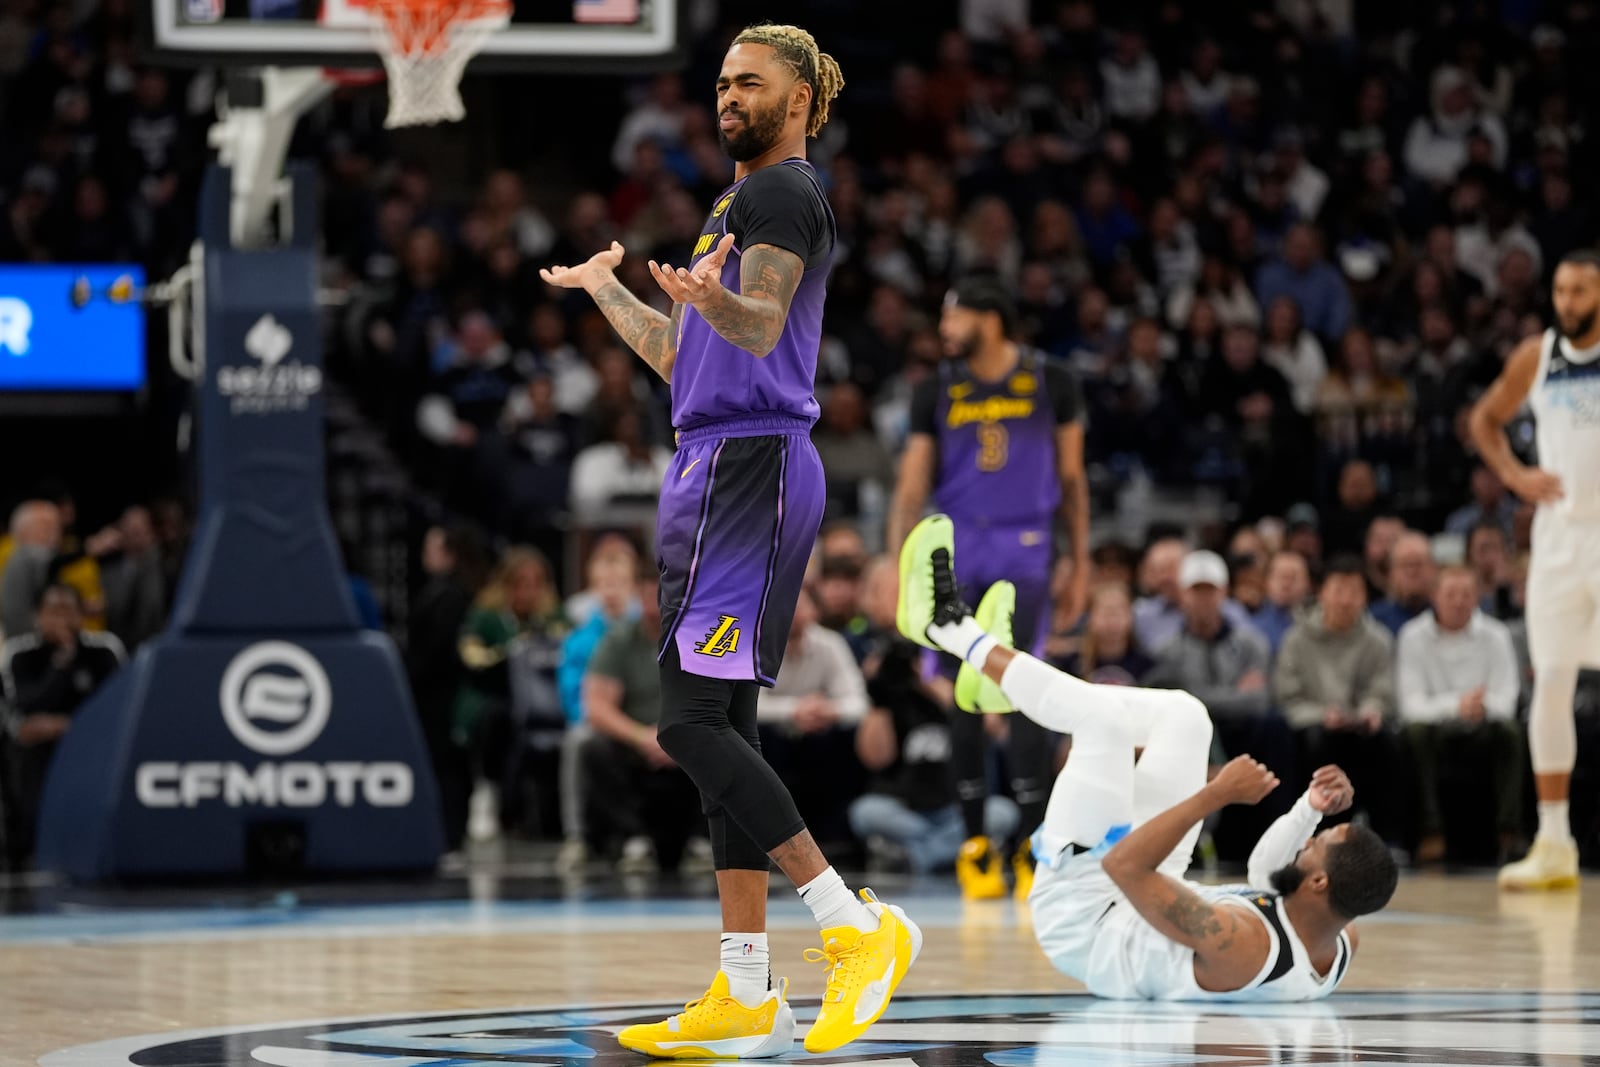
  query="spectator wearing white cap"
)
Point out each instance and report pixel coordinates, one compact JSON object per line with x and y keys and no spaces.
{"x":1227,"y":667}
{"x":1223,"y":664}
{"x":1158,"y":615}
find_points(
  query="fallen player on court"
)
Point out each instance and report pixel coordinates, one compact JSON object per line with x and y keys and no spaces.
{"x":1110,"y":905}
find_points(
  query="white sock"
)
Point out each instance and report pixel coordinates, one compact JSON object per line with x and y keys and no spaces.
{"x":1554,"y":822}
{"x":832,"y":903}
{"x":748,"y":965}
{"x":965,"y":640}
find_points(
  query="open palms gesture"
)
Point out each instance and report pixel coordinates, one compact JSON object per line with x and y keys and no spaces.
{"x":602,"y":262}
{"x":692,"y":285}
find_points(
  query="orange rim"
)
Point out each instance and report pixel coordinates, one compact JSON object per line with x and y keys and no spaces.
{"x":422,"y":27}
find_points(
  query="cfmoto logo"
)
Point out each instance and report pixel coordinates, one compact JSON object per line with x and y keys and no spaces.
{"x":275,"y":700}
{"x":276,"y":683}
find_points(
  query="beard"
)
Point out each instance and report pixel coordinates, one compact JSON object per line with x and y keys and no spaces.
{"x":963,"y":348}
{"x":1285,"y":880}
{"x":1579,"y":328}
{"x":761,"y":130}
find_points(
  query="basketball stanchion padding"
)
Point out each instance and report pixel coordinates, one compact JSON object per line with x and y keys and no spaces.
{"x":263,"y":732}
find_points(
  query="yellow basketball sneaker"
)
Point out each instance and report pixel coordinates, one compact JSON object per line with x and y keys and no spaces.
{"x":863,"y":971}
{"x":1548,"y":865}
{"x":980,"y":871}
{"x":974,"y":689}
{"x":1022,"y":868}
{"x":718,"y":1027}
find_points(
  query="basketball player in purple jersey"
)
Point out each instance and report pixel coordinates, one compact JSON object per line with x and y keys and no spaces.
{"x":997,"y":437}
{"x":739,"y":514}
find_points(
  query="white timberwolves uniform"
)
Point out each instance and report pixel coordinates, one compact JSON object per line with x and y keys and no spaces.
{"x":1564,"y":576}
{"x":1090,"y":932}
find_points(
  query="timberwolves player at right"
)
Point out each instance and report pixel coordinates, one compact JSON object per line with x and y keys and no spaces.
{"x":997,"y":437}
{"x":1110,"y":905}
{"x":1558,"y":375}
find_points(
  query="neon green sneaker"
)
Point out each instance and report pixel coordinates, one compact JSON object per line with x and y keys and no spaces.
{"x":974,"y":690}
{"x":932,"y":538}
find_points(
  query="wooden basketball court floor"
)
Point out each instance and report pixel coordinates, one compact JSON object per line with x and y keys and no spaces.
{"x":472,"y":970}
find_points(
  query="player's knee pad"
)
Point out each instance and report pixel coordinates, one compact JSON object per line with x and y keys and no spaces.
{"x":694,"y":745}
{"x":734,"y":779}
{"x":1553,"y":690}
{"x":1552,"y":734}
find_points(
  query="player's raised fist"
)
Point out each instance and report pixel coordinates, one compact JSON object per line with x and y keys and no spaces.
{"x":1331,"y":791}
{"x":1243,"y":781}
{"x":598,"y":266}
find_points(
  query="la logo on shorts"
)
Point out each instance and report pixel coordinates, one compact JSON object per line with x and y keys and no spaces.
{"x":723,"y":638}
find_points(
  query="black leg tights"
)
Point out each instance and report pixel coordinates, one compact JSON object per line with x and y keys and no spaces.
{"x":708,"y":725}
{"x":1030,"y":755}
{"x":969,"y":759}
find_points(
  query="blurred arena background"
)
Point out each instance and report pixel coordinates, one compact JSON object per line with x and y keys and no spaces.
{"x":1282,"y":246}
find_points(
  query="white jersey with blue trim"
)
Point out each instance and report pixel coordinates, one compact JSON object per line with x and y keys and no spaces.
{"x":1166,"y":969}
{"x":1088,"y":930}
{"x":1566,"y":408}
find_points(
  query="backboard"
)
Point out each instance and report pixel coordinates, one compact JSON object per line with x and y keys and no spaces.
{"x":544,"y":35}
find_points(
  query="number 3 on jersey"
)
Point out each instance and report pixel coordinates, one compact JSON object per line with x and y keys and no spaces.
{"x":993,"y":442}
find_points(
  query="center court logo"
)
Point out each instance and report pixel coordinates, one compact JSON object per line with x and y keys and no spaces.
{"x":1058,"y":1030}
{"x":276,"y":700}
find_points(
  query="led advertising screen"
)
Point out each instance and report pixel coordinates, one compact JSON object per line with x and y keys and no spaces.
{"x":46,"y":344}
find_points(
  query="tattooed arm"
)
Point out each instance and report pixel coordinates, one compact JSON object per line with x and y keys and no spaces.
{"x":753,"y":318}
{"x":644,"y":329}
{"x":1230,"y":943}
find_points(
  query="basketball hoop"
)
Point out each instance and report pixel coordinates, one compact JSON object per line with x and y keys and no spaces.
{"x":426,"y":45}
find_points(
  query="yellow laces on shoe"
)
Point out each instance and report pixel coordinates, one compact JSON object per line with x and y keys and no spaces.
{"x":708,"y":1000}
{"x":844,"y":961}
{"x":710,"y":1003}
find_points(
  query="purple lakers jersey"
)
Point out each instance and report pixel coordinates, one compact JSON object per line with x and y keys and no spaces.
{"x":996,"y":441}
{"x":713,"y":380}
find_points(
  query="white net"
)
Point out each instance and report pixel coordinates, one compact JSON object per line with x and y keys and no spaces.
{"x":426,"y":47}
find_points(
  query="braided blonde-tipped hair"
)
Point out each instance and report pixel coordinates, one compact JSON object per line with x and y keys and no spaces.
{"x":797,"y":50}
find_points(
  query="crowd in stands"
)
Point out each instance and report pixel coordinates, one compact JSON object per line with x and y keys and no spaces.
{"x":1282,"y":246}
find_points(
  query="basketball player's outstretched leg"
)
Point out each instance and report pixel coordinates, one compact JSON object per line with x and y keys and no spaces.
{"x":1110,"y":906}
{"x":1172,"y":727}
